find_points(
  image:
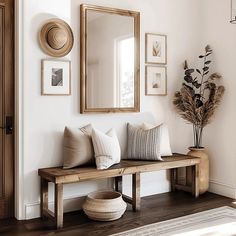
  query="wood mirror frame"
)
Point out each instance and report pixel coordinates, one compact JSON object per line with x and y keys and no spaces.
{"x":84,"y":60}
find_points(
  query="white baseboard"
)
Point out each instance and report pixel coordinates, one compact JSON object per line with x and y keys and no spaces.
{"x":222,"y":189}
{"x":32,"y":210}
{"x":218,"y":188}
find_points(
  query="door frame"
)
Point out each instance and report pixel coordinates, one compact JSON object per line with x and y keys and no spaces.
{"x":19,"y":110}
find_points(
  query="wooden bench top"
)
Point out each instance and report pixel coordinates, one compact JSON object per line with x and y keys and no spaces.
{"x":125,"y":167}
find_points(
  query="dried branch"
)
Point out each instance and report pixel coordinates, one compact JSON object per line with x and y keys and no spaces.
{"x":191,"y":102}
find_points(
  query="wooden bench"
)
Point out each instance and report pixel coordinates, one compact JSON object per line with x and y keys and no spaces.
{"x":60,"y":176}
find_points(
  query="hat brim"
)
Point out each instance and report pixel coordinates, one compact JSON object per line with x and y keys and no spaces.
{"x":43,"y":38}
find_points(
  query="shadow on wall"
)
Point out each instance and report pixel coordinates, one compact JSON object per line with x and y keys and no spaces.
{"x":52,"y":147}
{"x":37,"y":23}
{"x":75,"y":57}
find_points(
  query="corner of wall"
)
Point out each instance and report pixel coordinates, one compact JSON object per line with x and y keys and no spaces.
{"x":222,"y":189}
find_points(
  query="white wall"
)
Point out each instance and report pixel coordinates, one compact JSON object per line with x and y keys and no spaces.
{"x":219,"y":136}
{"x":42,"y":118}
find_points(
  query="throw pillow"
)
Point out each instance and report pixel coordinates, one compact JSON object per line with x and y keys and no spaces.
{"x":144,"y":144}
{"x":78,"y":147}
{"x":106,"y":148}
{"x":165,"y":148}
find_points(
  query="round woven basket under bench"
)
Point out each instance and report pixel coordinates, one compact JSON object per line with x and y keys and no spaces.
{"x":104,"y":205}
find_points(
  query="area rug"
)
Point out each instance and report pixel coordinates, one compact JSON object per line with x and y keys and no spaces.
{"x":216,"y":222}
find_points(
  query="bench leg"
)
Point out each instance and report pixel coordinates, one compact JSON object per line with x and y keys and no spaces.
{"x":43,"y":196}
{"x":195,"y":180}
{"x":118,"y":184}
{"x":173,"y":179}
{"x":189,"y":176}
{"x":136,"y":192}
{"x":59,"y":205}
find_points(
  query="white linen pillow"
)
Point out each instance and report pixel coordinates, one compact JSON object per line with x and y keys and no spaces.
{"x":106,"y":148}
{"x":77,"y":147}
{"x":165,"y":148}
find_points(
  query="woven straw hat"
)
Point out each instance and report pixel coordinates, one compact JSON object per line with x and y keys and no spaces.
{"x":56,"y":38}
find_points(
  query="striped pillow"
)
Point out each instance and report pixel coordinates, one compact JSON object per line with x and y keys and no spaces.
{"x":165,"y":140}
{"x":144,"y":144}
{"x":106,"y":148}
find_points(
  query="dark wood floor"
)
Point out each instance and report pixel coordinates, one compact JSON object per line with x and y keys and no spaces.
{"x":154,"y":209}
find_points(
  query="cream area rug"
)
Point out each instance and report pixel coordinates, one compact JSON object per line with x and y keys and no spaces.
{"x":217,"y":222}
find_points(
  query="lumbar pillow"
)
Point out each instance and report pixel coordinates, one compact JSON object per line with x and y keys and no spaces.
{"x":78,"y":147}
{"x":106,"y":148}
{"x":165,"y":148}
{"x":144,"y":144}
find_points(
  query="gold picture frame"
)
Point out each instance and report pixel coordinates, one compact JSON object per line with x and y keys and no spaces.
{"x":84,"y":108}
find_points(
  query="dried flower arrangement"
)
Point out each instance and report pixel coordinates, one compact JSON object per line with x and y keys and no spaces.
{"x":199,"y":96}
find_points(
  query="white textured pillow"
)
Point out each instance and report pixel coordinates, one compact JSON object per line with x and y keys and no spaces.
{"x":106,"y":148}
{"x":165,"y":148}
{"x":78,"y":147}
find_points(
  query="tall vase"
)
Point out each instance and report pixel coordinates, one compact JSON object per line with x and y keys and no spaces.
{"x":203,"y":168}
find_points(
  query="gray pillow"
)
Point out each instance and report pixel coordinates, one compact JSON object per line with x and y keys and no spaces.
{"x":165,"y":140}
{"x":144,"y":144}
{"x":78,"y":147}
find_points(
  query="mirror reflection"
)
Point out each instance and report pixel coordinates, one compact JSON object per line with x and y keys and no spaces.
{"x":110,"y":60}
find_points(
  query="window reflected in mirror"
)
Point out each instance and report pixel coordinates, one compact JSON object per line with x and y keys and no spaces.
{"x":124,"y":72}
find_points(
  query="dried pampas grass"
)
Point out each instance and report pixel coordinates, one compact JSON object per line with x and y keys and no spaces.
{"x":199,"y":96}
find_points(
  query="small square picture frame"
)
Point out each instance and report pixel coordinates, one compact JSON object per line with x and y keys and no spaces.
{"x":55,"y":77}
{"x":155,"y":80}
{"x":156,"y":48}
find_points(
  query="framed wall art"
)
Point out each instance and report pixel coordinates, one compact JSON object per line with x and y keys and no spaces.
{"x":156,"y":48}
{"x":233,"y":12}
{"x":56,"y":77}
{"x":156,"y":81}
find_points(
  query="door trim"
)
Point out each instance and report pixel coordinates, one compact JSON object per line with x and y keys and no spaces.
{"x":19,"y":110}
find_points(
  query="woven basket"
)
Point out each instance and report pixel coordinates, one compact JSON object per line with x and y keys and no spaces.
{"x":104,"y":205}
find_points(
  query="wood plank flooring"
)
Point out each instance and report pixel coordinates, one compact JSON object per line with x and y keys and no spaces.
{"x":153,"y":209}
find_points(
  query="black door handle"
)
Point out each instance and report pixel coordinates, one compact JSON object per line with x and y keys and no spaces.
{"x":9,"y":125}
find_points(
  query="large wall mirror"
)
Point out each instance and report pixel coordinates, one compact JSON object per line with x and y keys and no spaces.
{"x":110,"y":59}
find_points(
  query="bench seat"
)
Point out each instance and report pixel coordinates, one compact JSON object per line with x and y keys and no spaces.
{"x":60,"y":176}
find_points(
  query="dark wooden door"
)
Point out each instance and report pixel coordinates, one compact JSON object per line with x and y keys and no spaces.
{"x":6,"y":108}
